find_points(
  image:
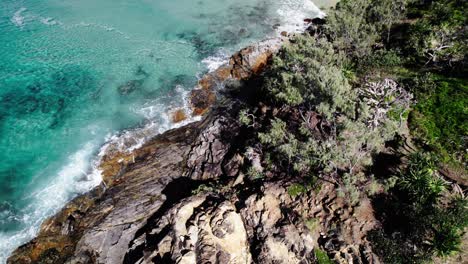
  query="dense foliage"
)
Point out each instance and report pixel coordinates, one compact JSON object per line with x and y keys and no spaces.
{"x":440,"y":116}
{"x":440,"y":37}
{"x":416,"y":222}
{"x":341,"y":123}
{"x":346,"y":89}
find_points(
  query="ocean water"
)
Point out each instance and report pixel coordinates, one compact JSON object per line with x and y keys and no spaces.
{"x":75,"y":74}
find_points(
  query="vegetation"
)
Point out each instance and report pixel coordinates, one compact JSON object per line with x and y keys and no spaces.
{"x":439,"y":38}
{"x":439,"y":119}
{"x":341,"y":93}
{"x":340,"y":126}
{"x":417,"y":224}
{"x":296,"y":189}
{"x":322,"y":257}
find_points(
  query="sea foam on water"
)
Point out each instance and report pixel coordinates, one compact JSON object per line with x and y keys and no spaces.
{"x":63,"y":62}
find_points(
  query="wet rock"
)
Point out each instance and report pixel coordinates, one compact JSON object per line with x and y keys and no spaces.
{"x":242,"y":65}
{"x":318,"y":21}
{"x":201,"y":100}
{"x":178,"y":116}
{"x":150,"y":207}
{"x":98,"y":226}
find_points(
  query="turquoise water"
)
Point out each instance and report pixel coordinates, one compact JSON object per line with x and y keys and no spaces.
{"x":76,"y":73}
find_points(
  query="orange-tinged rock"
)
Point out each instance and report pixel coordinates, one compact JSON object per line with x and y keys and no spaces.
{"x":261,"y":62}
{"x":201,"y":100}
{"x":178,"y":116}
{"x":207,"y":82}
{"x":210,"y":80}
{"x":113,"y":163}
{"x":223,"y":73}
{"x":41,"y":248}
{"x":242,"y":65}
{"x":199,"y":111}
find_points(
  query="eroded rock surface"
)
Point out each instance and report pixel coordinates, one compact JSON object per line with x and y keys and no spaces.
{"x":182,"y":198}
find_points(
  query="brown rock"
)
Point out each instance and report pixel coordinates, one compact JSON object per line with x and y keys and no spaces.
{"x":178,"y":116}
{"x":223,"y":73}
{"x":207,"y":82}
{"x":252,"y":60}
{"x":243,"y":65}
{"x":99,"y":226}
{"x":108,"y":224}
{"x":201,"y":100}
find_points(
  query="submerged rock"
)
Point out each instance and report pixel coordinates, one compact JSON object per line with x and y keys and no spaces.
{"x":130,"y":86}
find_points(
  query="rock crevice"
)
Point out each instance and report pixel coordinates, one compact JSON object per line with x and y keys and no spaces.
{"x":182,"y":198}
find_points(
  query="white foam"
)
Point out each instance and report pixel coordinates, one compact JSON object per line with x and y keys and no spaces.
{"x":49,"y":21}
{"x":212,"y":63}
{"x":158,"y":113}
{"x":293,"y":12}
{"x":18,"y":19}
{"x":77,"y":176}
{"x":80,"y":174}
{"x":100,"y":27}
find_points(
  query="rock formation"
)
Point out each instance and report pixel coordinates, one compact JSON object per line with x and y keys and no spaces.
{"x":181,"y":198}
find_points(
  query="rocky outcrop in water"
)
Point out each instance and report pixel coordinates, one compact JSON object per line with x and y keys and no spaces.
{"x":182,"y":198}
{"x":242,"y":65}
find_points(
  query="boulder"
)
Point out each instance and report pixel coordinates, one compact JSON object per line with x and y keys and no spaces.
{"x":178,"y":116}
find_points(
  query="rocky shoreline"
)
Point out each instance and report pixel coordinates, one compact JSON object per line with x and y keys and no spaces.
{"x":104,"y":220}
{"x":244,"y":64}
{"x":182,"y":197}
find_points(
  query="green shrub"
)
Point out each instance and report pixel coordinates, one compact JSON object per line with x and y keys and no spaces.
{"x":296,"y":189}
{"x":439,"y":37}
{"x":417,"y":224}
{"x":382,"y":58}
{"x":312,"y":224}
{"x":448,"y":226}
{"x":254,"y":174}
{"x":245,"y":118}
{"x":322,"y":257}
{"x":203,"y":188}
{"x":307,"y":74}
{"x":308,"y":71}
{"x":385,"y":13}
{"x":350,"y":30}
{"x":421,"y":181}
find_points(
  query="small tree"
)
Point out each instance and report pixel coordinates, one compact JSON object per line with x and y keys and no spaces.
{"x":385,"y":13}
{"x":348,"y":27}
{"x":348,"y":125}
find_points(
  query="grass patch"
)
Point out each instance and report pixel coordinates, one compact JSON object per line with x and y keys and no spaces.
{"x":439,"y":117}
{"x":296,"y":189}
{"x":322,"y":257}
